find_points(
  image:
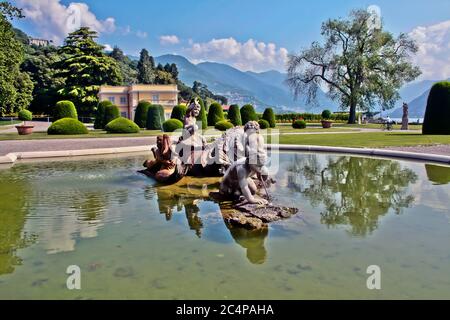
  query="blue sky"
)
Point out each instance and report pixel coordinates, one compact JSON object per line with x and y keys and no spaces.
{"x":191,"y":26}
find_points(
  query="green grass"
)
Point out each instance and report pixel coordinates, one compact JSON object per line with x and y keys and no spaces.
{"x":92,"y":134}
{"x":9,"y":122}
{"x":376,"y":126}
{"x":366,"y":139}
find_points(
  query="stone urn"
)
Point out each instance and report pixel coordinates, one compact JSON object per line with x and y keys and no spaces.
{"x":326,"y":124}
{"x":24,"y":130}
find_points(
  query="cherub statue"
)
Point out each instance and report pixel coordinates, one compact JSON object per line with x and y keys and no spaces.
{"x":238,"y":179}
{"x":163,"y":166}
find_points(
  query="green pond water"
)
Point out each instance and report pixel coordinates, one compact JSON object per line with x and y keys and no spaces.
{"x":133,"y":239}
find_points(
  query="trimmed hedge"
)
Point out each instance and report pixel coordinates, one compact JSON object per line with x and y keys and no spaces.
{"x":64,"y":109}
{"x":248,"y":113}
{"x":172,"y":124}
{"x":154,"y":118}
{"x":310,"y":117}
{"x":299,"y":124}
{"x":99,"y":122}
{"x":269,"y":116}
{"x":111,"y":112}
{"x":122,"y":125}
{"x":25,"y":115}
{"x":234,"y":115}
{"x":437,"y":114}
{"x":215,"y":114}
{"x":179,"y":112}
{"x":264,"y":124}
{"x":202,"y":116}
{"x":224,"y":125}
{"x":67,"y":126}
{"x":326,"y":114}
{"x":140,"y":115}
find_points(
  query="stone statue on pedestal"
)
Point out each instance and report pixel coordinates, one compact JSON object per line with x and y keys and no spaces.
{"x":405,"y":119}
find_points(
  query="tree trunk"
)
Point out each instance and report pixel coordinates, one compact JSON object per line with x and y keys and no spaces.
{"x":352,"y":118}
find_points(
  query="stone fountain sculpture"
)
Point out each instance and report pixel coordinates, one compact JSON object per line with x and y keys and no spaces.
{"x":239,"y":155}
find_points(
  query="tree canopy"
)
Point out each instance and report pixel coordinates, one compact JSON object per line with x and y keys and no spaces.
{"x":359,"y":63}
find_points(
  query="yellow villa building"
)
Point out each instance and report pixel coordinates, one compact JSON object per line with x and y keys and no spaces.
{"x":128,"y":97}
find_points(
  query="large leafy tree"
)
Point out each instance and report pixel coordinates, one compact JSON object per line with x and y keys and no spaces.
{"x":127,"y":67}
{"x":146,"y":68}
{"x":359,"y":63}
{"x":39,"y":62}
{"x":85,"y":67}
{"x":15,"y":86}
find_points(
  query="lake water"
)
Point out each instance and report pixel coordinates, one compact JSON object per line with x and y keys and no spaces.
{"x":134,"y":239}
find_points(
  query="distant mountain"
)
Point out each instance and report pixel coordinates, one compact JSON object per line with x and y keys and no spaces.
{"x":416,"y":94}
{"x":261,"y":89}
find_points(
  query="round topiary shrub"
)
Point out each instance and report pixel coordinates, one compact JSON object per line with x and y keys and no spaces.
{"x":99,"y":122}
{"x":67,"y":126}
{"x":172,"y":124}
{"x":234,"y":115}
{"x":326,"y":114}
{"x":437,"y":114}
{"x":263,"y":124}
{"x":122,"y":125}
{"x":179,"y":112}
{"x":224,"y":125}
{"x":299,"y":124}
{"x":248,"y":113}
{"x":140,"y":115}
{"x":25,"y":115}
{"x":154,"y":118}
{"x":269,"y":116}
{"x":111,"y":112}
{"x":215,"y":114}
{"x":64,"y":109}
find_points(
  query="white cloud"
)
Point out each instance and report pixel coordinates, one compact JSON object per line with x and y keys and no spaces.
{"x":433,"y":56}
{"x":141,"y":34}
{"x":108,"y":47}
{"x":54,"y":20}
{"x":250,"y":55}
{"x":169,"y":40}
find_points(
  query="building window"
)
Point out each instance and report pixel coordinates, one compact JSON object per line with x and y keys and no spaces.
{"x":123,"y":100}
{"x":155,"y":98}
{"x":124,"y":114}
{"x":112,"y":99}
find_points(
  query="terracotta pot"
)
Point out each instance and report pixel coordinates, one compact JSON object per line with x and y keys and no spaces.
{"x":24,"y":130}
{"x":326,"y":124}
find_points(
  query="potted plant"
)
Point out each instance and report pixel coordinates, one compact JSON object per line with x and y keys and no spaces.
{"x":326,"y":122}
{"x":24,"y":129}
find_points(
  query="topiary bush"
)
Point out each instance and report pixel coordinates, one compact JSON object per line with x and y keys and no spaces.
{"x":122,"y":125}
{"x":263,"y":124}
{"x":269,"y":116}
{"x":437,"y":114}
{"x":154,"y":118}
{"x":64,"y":109}
{"x":215,"y":114}
{"x":179,"y":112}
{"x":299,"y":124}
{"x":140,"y":115}
{"x":202,"y":116}
{"x":111,"y":112}
{"x":25,"y":115}
{"x":99,"y":122}
{"x":248,"y":113}
{"x":326,"y":114}
{"x":172,"y":124}
{"x":224,"y":125}
{"x":67,"y":126}
{"x":234,"y":115}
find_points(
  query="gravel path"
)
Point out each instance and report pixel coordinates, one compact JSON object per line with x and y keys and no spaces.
{"x":71,"y":144}
{"x":39,"y":126}
{"x":442,"y":149}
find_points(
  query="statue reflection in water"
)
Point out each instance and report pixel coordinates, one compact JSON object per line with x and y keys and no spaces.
{"x":187,"y":194}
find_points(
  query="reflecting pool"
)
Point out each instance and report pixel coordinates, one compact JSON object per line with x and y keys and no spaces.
{"x":134,"y":239}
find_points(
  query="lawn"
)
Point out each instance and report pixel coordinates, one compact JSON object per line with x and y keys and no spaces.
{"x":365,"y":139}
{"x":8,"y":122}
